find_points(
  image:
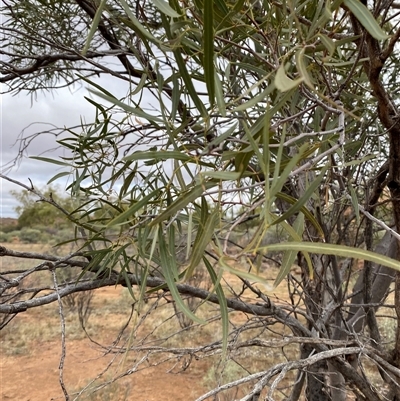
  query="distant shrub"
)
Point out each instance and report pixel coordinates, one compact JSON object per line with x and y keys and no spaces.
{"x":63,"y":235}
{"x":7,"y":228}
{"x":31,"y":236}
{"x":13,"y":236}
{"x":4,"y":237}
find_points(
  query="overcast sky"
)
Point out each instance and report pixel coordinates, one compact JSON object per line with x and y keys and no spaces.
{"x":60,"y":108}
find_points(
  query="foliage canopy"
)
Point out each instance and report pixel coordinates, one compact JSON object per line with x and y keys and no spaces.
{"x":279,"y":113}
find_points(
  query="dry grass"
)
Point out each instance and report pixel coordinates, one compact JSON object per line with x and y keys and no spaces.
{"x":156,"y":324}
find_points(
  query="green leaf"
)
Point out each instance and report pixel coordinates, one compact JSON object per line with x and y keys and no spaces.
{"x":302,"y":68}
{"x":140,"y":85}
{"x":221,"y":175}
{"x":136,"y":24}
{"x":187,"y":79}
{"x":179,"y":175}
{"x":57,"y":176}
{"x":168,"y":264}
{"x":219,"y":94}
{"x":165,"y":8}
{"x":366,"y":19}
{"x":283,"y":82}
{"x":203,"y":238}
{"x":224,"y":262}
{"x":277,"y":184}
{"x":48,"y":160}
{"x":254,"y":100}
{"x":100,"y":88}
{"x":295,"y":237}
{"x":289,"y":255}
{"x":208,"y":48}
{"x":359,"y":161}
{"x":164,"y":155}
{"x":354,"y":201}
{"x":183,"y":201}
{"x":134,"y":110}
{"x":306,"y":196}
{"x":93,"y":27}
{"x":318,"y":20}
{"x":223,"y":305}
{"x":223,"y":137}
{"x":303,"y":209}
{"x":328,"y":43}
{"x":242,"y":160}
{"x":189,"y":235}
{"x":123,"y":217}
{"x":321,"y":248}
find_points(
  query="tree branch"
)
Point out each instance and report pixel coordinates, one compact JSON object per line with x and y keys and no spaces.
{"x":45,"y":60}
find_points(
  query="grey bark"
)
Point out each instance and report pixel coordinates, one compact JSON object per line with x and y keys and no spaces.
{"x":382,"y":277}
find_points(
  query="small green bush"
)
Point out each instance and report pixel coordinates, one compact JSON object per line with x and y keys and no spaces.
{"x":31,"y":236}
{"x":4,"y":237}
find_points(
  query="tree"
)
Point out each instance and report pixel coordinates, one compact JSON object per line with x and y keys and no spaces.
{"x":279,"y":113}
{"x":33,"y":214}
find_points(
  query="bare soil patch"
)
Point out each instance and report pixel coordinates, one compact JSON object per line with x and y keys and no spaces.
{"x":31,"y":349}
{"x":34,"y":374}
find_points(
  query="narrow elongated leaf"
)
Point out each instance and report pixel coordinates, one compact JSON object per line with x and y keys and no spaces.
{"x":167,"y":262}
{"x":189,"y":235}
{"x":354,"y":201}
{"x":165,"y":8}
{"x":48,"y":160}
{"x":318,"y":20}
{"x":223,"y":137}
{"x":278,"y":184}
{"x":123,"y":217}
{"x":295,"y":237}
{"x":203,"y":238}
{"x":208,"y":46}
{"x":366,"y":19}
{"x":189,"y":83}
{"x":302,"y":68}
{"x":221,"y":175}
{"x":136,"y":23}
{"x":57,"y":176}
{"x":179,"y":175}
{"x":321,"y":248}
{"x":306,"y":196}
{"x":278,"y":160}
{"x":159,"y":155}
{"x":289,"y":256}
{"x":134,"y":110}
{"x":219,"y":95}
{"x":172,"y":252}
{"x":256,"y":99}
{"x":183,"y":201}
{"x":223,"y":306}
{"x":140,"y":85}
{"x":283,"y":82}
{"x":303,"y":209}
{"x":226,"y":263}
{"x":328,"y":43}
{"x":359,"y":161}
{"x":97,"y":86}
{"x":242,"y":160}
{"x":254,"y":145}
{"x":238,"y":7}
{"x":94,"y":26}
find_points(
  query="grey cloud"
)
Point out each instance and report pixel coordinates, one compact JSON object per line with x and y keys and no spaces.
{"x":18,"y":114}
{"x":63,"y":108}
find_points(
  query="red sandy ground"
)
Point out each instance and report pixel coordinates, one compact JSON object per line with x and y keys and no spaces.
{"x":35,"y":376}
